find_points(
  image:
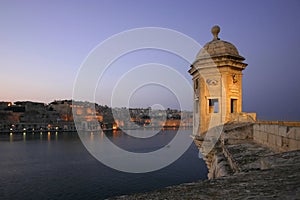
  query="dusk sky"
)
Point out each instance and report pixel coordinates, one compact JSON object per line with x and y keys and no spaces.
{"x":44,"y":43}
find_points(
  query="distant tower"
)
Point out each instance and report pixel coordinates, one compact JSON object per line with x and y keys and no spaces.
{"x":217,"y":77}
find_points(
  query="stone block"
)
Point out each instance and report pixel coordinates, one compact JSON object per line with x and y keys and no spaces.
{"x":297,"y":132}
{"x":255,"y":134}
{"x":263,"y":136}
{"x":269,"y":129}
{"x":262,"y":127}
{"x":285,"y":143}
{"x":293,"y":144}
{"x":271,"y":139}
{"x":279,"y":141}
{"x":291,"y":133}
{"x":256,"y":127}
{"x":276,"y":129}
{"x":282,"y":131}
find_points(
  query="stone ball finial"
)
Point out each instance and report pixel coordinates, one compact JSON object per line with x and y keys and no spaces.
{"x":215,"y":31}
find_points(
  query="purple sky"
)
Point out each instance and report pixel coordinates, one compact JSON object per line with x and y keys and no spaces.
{"x":43,"y":44}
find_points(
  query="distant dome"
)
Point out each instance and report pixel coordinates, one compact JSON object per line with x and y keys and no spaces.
{"x":218,"y":47}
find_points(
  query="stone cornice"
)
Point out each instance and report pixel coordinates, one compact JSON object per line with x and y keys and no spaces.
{"x":223,"y":61}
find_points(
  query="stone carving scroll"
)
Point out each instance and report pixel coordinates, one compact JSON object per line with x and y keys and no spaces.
{"x":212,"y":82}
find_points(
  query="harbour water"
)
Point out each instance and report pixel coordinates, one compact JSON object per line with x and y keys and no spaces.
{"x":57,"y":166}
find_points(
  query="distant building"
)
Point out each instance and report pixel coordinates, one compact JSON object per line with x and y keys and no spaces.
{"x":4,"y":105}
{"x":29,"y":105}
{"x":9,"y":113}
{"x":64,"y":108}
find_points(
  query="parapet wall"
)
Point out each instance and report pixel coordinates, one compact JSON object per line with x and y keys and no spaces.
{"x":277,"y":137}
{"x":242,"y":146}
{"x":283,"y":123}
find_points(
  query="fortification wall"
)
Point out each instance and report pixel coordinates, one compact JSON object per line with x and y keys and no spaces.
{"x":283,"y":123}
{"x":278,"y":137}
{"x":242,"y":146}
{"x":241,"y":167}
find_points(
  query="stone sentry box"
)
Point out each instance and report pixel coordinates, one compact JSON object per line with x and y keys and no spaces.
{"x":217,"y":77}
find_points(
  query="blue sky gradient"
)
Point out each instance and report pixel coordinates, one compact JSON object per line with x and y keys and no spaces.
{"x":43,"y":44}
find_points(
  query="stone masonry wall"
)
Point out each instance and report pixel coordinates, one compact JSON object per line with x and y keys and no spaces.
{"x":237,"y":150}
{"x":280,"y":138}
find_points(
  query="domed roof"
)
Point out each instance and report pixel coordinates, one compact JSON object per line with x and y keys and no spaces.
{"x":217,"y":47}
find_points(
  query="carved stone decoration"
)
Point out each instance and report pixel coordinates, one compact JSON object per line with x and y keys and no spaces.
{"x":196,"y":84}
{"x":215,"y":31}
{"x":211,"y":82}
{"x":234,"y":78}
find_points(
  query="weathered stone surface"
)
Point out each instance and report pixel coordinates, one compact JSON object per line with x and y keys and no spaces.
{"x":282,"y":131}
{"x":278,"y":137}
{"x":281,"y":180}
{"x":246,"y":170}
{"x":238,"y":133}
{"x":247,"y":155}
{"x":217,"y":76}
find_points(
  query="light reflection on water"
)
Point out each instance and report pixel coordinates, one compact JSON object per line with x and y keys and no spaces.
{"x":15,"y":137}
{"x":54,"y":135}
{"x":57,"y":166}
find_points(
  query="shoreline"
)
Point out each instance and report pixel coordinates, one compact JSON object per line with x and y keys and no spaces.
{"x":104,"y":130}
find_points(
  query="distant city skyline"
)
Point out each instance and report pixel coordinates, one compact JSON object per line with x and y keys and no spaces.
{"x":43,"y":44}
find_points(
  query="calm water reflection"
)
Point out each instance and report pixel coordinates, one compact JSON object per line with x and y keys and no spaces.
{"x":57,"y":166}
